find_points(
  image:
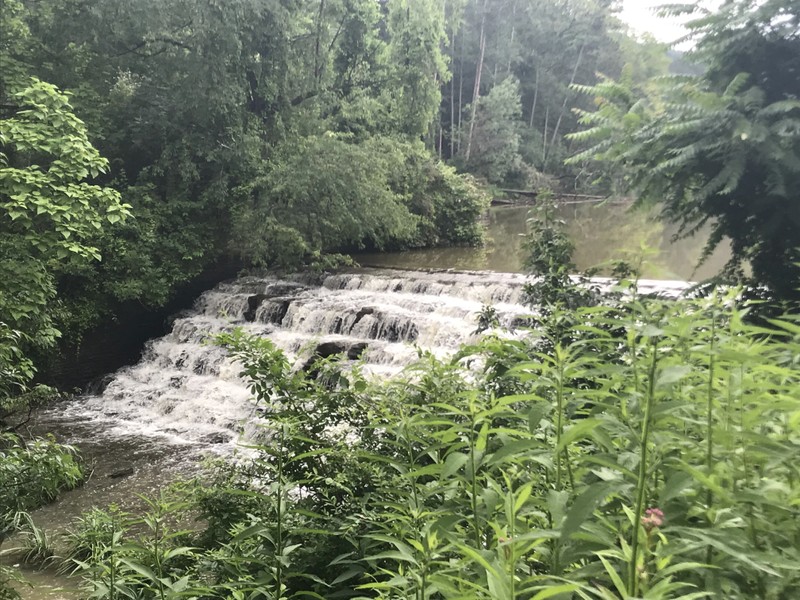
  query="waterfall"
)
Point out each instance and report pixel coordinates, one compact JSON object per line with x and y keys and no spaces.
{"x":187,"y":390}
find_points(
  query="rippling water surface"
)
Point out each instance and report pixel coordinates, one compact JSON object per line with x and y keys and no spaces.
{"x":601,"y":233}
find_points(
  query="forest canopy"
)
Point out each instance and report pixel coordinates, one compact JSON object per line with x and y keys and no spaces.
{"x":274,"y":134}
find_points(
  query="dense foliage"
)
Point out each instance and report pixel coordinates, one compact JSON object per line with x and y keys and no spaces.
{"x":275,"y":133}
{"x":326,"y":194}
{"x":51,"y":213}
{"x":649,"y":453}
{"x":32,"y":473}
{"x":722,"y":147}
{"x":509,"y":103}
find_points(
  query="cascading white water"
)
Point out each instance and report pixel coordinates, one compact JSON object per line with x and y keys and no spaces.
{"x":188,"y":391}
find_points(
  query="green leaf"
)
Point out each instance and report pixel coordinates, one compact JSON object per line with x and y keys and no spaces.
{"x":556,"y":590}
{"x":584,"y":506}
{"x":139,"y":568}
{"x":577,"y":431}
{"x":622,"y":589}
{"x":453,"y":464}
{"x":673,"y":374}
{"x":536,"y":414}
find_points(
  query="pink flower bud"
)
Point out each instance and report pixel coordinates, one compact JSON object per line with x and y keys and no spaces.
{"x":652,"y":519}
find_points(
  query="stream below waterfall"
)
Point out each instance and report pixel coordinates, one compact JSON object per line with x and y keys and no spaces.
{"x":151,"y":423}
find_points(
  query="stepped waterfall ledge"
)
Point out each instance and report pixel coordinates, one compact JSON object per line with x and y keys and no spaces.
{"x":188,"y":391}
{"x":531,"y":443}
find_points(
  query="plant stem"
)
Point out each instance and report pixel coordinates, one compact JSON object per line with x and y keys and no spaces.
{"x":641,"y":483}
{"x":559,"y":415}
{"x":279,"y":520}
{"x":157,"y":550}
{"x":710,"y":418}
{"x":512,"y":555}
{"x":112,"y":562}
{"x":474,"y":476}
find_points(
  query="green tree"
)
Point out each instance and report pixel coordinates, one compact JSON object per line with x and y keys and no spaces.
{"x":544,"y":45}
{"x":418,"y":67}
{"x":328,"y":193}
{"x":723,"y":147}
{"x":495,"y":151}
{"x":49,"y":215}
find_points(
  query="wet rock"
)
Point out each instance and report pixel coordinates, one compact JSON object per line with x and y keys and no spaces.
{"x":127,"y":472}
{"x":337,"y":325}
{"x":97,"y":386}
{"x":352,"y":351}
{"x":355,"y":351}
{"x":214,"y":438}
{"x":278,"y":307}
{"x":283,"y":289}
{"x":169,"y":322}
{"x":400,"y":332}
{"x":200,"y":366}
{"x":181,"y":361}
{"x":367,"y":310}
{"x":253,"y":302}
{"x":326,"y":349}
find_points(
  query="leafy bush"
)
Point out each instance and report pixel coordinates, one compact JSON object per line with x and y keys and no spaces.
{"x":668,"y":472}
{"x":89,"y":538}
{"x":447,"y":205}
{"x":35,"y":545}
{"x":327,"y":193}
{"x":33,"y":473}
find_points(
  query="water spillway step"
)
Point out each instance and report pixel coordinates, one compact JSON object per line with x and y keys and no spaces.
{"x":188,"y":390}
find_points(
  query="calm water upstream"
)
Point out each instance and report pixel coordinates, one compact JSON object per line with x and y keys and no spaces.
{"x":601,"y":233}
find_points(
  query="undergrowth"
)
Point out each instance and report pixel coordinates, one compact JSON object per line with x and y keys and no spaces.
{"x":629,"y":448}
{"x":650,"y":452}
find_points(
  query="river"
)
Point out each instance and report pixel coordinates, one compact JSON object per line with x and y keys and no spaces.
{"x":184,"y":399}
{"x":601,"y":232}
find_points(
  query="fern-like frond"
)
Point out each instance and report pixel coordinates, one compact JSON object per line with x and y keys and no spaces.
{"x":736,"y":85}
{"x":782,"y":107}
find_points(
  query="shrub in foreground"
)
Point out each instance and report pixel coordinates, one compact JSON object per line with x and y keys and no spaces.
{"x":651,"y":453}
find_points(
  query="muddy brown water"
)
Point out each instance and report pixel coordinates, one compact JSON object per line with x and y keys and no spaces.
{"x":122,"y":468}
{"x":601,"y":232}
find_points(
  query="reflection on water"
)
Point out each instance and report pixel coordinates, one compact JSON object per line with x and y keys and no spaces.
{"x":601,"y":233}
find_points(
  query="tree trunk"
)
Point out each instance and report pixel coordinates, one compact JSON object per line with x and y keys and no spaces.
{"x":535,"y":97}
{"x":513,"y":33}
{"x":460,"y":94}
{"x":453,"y":97}
{"x":476,"y":91}
{"x":435,"y":124}
{"x":566,"y":98}
{"x":317,"y":57}
{"x":544,"y":136}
